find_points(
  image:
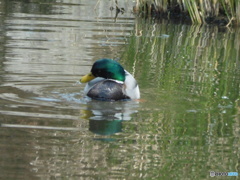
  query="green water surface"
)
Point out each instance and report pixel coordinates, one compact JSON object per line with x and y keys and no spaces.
{"x":185,"y":125}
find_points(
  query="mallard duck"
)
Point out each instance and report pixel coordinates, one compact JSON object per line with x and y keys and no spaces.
{"x":108,"y":80}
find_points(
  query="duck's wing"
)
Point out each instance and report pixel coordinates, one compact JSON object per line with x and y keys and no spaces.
{"x":131,"y":87}
{"x":107,"y":89}
{"x":92,"y":83}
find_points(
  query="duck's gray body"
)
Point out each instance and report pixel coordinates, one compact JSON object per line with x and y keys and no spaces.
{"x":109,"y":89}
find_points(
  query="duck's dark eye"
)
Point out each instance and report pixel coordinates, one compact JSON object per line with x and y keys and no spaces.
{"x":99,"y":72}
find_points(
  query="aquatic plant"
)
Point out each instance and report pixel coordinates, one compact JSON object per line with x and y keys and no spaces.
{"x":223,"y":12}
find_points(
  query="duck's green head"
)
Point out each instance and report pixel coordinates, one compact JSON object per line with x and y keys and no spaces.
{"x":106,"y":68}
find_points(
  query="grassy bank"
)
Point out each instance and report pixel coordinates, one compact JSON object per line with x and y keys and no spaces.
{"x":222,"y":12}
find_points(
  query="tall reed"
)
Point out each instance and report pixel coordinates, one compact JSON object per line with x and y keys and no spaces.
{"x":200,"y":11}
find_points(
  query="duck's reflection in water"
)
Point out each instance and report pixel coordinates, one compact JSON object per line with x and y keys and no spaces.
{"x":105,"y":118}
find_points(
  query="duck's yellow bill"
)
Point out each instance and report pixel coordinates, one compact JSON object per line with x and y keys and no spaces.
{"x":87,"y":78}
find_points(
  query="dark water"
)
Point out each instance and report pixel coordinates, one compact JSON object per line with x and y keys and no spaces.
{"x":186,"y":125}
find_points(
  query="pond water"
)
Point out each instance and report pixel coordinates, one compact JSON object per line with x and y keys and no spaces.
{"x":185,"y":125}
